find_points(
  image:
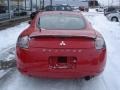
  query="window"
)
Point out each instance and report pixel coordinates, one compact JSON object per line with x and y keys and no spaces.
{"x":61,"y":22}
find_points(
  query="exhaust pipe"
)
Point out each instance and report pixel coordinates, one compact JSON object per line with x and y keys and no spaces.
{"x":87,"y":78}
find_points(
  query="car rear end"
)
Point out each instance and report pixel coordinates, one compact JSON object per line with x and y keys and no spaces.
{"x":61,"y":53}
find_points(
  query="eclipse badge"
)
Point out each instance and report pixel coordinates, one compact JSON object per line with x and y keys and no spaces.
{"x":62,"y":43}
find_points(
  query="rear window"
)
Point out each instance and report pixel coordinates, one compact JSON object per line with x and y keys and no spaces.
{"x":62,"y":22}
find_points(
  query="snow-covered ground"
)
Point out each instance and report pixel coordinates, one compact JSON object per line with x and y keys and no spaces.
{"x":109,"y":80}
{"x":9,"y":36}
{"x":8,"y":40}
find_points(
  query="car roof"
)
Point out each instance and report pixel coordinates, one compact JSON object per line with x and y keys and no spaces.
{"x":58,"y":5}
{"x":61,"y":12}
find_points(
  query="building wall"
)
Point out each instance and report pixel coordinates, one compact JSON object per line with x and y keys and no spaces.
{"x":69,"y":2}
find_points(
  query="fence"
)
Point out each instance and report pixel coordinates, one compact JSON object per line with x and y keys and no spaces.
{"x":10,"y":9}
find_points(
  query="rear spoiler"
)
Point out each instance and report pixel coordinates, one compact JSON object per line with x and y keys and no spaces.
{"x":62,"y":36}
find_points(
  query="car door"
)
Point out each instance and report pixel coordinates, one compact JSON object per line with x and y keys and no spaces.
{"x":118,"y":15}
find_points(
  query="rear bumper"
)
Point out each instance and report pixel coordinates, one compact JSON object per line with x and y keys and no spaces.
{"x":62,"y":75}
{"x":35,"y":62}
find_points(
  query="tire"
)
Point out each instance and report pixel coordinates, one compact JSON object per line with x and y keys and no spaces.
{"x":114,"y":19}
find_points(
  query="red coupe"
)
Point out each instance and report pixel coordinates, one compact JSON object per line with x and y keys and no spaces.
{"x":60,"y":45}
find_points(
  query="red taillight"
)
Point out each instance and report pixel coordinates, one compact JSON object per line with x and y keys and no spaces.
{"x":23,"y":41}
{"x":100,"y":43}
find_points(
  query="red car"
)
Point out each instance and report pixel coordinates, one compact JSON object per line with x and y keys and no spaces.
{"x":61,"y":44}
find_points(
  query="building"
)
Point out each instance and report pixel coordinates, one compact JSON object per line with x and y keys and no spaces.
{"x":76,"y":3}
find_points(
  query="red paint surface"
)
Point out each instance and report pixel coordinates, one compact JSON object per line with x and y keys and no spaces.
{"x":82,"y":57}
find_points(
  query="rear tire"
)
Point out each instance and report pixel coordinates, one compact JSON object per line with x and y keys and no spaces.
{"x":114,"y":19}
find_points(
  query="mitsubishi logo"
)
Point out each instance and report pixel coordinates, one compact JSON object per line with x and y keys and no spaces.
{"x":62,"y":43}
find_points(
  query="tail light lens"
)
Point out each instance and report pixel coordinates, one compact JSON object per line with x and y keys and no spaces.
{"x":23,"y":42}
{"x":100,"y":43}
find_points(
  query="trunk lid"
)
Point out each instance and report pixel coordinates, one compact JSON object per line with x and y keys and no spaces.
{"x":62,"y":39}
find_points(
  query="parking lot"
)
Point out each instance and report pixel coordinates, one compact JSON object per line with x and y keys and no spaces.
{"x":108,"y":80}
{"x":59,"y":43}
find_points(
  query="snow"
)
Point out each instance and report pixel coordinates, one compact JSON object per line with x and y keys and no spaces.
{"x":3,"y":72}
{"x":111,"y":33}
{"x":8,"y":39}
{"x":108,"y":80}
{"x":9,"y":36}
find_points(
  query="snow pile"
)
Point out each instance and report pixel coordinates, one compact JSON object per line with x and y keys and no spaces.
{"x":9,"y":36}
{"x":111,"y":34}
{"x":8,"y":39}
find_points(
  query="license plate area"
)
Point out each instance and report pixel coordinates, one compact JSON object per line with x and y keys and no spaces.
{"x":62,"y":62}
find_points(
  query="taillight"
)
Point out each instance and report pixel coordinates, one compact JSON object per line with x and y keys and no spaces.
{"x":100,"y":43}
{"x":23,"y":41}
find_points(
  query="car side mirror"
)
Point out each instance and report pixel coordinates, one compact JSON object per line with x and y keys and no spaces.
{"x":32,"y":15}
{"x":29,"y":22}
